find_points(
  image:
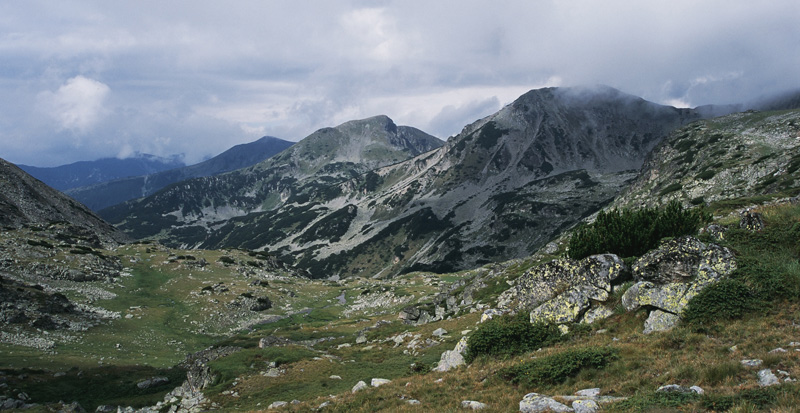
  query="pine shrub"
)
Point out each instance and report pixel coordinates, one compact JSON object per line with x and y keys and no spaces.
{"x":632,"y":232}
{"x":508,"y":335}
{"x":556,"y":368}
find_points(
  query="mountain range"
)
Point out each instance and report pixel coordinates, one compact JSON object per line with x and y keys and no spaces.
{"x":85,"y":173}
{"x":501,"y":188}
{"x":105,"y":194}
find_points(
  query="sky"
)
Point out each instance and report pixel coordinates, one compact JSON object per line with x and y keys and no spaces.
{"x":81,"y":80}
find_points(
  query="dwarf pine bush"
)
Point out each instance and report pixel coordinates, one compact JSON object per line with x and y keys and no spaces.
{"x":632,"y":232}
{"x":508,"y":335}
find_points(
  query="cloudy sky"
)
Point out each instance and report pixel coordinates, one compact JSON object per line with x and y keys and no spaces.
{"x":87,"y":79}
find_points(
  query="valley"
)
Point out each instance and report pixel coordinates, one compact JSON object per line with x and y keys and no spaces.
{"x":372,"y":267}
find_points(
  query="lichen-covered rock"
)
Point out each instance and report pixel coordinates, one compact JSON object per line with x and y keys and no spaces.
{"x":660,"y":321}
{"x":596,"y":314}
{"x":751,"y":221}
{"x":569,"y":306}
{"x":546,"y":281}
{"x":585,"y":406}
{"x":533,"y":402}
{"x":671,"y":275}
{"x":682,"y":259}
{"x":767,"y":378}
{"x":473,"y":405}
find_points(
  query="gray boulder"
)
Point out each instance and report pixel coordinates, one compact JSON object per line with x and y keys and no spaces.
{"x":533,"y":402}
{"x":452,"y":358}
{"x":585,"y":406}
{"x":767,"y":378}
{"x":660,"y":321}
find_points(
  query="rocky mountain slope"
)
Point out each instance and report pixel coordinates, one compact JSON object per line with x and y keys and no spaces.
{"x":106,"y":194}
{"x":26,"y":201}
{"x":743,"y":154}
{"x":92,"y":172}
{"x":296,"y":180}
{"x":500,"y":189}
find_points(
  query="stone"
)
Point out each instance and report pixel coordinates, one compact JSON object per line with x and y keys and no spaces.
{"x":585,"y":406}
{"x":275,"y":405}
{"x":751,"y":363}
{"x":697,"y":389}
{"x":597,"y":313}
{"x":359,"y":386}
{"x":778,"y":351}
{"x":568,"y":306}
{"x":544,"y":282}
{"x":413,"y":401}
{"x":152,"y":382}
{"x":324,"y":405}
{"x":439,"y":332}
{"x":767,"y":378}
{"x":533,"y":402}
{"x":472,"y":404}
{"x":660,"y":321}
{"x":673,"y":388}
{"x":751,"y":220}
{"x":335,"y":377}
{"x":361,"y":339}
{"x":593,"y":392}
{"x":491,"y":313}
{"x":451,"y":359}
{"x":379,"y":382}
{"x":105,"y":408}
{"x":681,"y":259}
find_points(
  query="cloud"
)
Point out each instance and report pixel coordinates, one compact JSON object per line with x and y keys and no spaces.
{"x":78,"y":105}
{"x":195,"y":77}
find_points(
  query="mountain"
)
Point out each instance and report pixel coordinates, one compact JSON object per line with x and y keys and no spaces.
{"x":26,"y":201}
{"x":106,"y":194}
{"x":302,"y":176}
{"x":744,"y":154}
{"x":500,"y":189}
{"x":91,"y":172}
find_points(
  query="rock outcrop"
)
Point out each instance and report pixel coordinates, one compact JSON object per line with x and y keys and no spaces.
{"x":670,"y":275}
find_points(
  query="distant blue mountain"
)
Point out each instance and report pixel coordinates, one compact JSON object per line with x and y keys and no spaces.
{"x":106,"y":194}
{"x":85,"y":173}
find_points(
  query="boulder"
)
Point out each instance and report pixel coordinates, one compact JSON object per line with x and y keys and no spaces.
{"x":767,"y":378}
{"x":452,"y":358}
{"x":546,"y":281}
{"x":275,"y":405}
{"x":379,"y":382}
{"x":751,"y":220}
{"x":569,"y":306}
{"x":585,"y":406}
{"x":359,"y":386}
{"x":533,"y":402}
{"x":597,"y":313}
{"x":472,"y":404}
{"x":660,"y":321}
{"x":671,"y":275}
{"x":439,"y":332}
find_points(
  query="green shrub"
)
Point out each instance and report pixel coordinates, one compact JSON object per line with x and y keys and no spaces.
{"x":725,"y":300}
{"x":559,"y":367}
{"x":653,"y":401}
{"x":632,"y":232}
{"x":670,"y":188}
{"x":507,"y":335}
{"x":226,"y":260}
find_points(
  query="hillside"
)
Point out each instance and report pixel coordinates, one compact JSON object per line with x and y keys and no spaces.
{"x":26,"y":201}
{"x":500,"y":189}
{"x":113,"y":192}
{"x":85,"y":173}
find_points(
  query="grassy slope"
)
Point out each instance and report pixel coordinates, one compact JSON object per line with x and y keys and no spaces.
{"x":167,"y":292}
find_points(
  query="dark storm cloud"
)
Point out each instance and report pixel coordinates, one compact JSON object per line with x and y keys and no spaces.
{"x":95,"y":78}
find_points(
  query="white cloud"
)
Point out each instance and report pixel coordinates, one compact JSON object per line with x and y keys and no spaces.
{"x":78,"y":105}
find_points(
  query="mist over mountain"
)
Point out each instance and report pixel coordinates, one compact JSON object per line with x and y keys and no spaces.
{"x":92,"y":172}
{"x":106,"y":194}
